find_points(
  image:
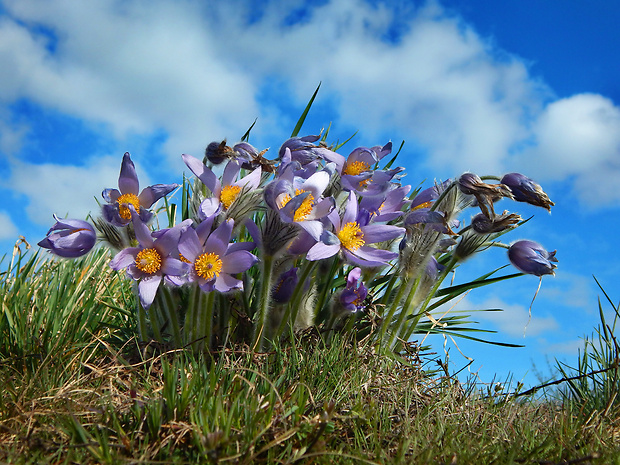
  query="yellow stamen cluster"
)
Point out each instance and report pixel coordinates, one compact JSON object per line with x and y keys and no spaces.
{"x":229,"y":195}
{"x":183,"y":259}
{"x":355,"y":168}
{"x":148,"y":260}
{"x":208,"y":265}
{"x":351,"y":236}
{"x":423,"y":205}
{"x":123,"y":202}
{"x":304,"y":209}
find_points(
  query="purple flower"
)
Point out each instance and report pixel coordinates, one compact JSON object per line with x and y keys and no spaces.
{"x":154,"y":260}
{"x":531,"y":258}
{"x":353,"y":296}
{"x":117,"y":210}
{"x":301,"y":201}
{"x":212,"y":259}
{"x":351,"y":235}
{"x":526,"y":190}
{"x":283,"y":290}
{"x":226,"y":191}
{"x":358,"y":173}
{"x":425,"y":198}
{"x":304,"y":151}
{"x":387,"y":206}
{"x":69,"y":238}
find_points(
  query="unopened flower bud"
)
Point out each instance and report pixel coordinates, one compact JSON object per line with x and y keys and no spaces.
{"x":526,"y":190}
{"x":531,"y":258}
{"x":69,"y":238}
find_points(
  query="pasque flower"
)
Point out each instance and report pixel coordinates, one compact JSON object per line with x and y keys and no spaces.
{"x":213,"y":260}
{"x":301,"y":201}
{"x":353,"y":296}
{"x":128,"y":193}
{"x":351,"y":237}
{"x":155,"y":259}
{"x":226,"y":191}
{"x":531,"y":258}
{"x":525,"y":190}
{"x":69,"y":238}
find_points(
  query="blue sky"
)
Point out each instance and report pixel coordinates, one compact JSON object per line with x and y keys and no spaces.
{"x":484,"y":86}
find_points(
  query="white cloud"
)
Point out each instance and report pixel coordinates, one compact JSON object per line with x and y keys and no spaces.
{"x":8,"y":230}
{"x":65,"y":190}
{"x":513,"y":321}
{"x":195,"y":71}
{"x":579,"y":137}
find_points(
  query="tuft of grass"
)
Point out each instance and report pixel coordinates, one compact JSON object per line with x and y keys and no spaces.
{"x":78,"y":388}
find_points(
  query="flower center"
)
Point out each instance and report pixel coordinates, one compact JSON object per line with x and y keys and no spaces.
{"x":351,"y":236}
{"x":148,"y":260}
{"x":208,"y":265}
{"x":123,"y":202}
{"x":229,"y":195}
{"x":355,"y":168}
{"x":304,"y":209}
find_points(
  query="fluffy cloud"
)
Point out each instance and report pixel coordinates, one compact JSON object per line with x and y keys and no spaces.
{"x":65,"y":190}
{"x":8,"y":230}
{"x":197,"y":72}
{"x":579,"y":137}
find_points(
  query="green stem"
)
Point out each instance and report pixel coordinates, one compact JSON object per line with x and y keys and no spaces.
{"x":167,"y":304}
{"x":206,"y":328}
{"x":263,"y":303}
{"x":327,"y":285}
{"x":404,"y":285}
{"x":429,"y":297}
{"x":403,"y":313}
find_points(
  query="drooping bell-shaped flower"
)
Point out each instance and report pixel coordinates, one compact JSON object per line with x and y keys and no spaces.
{"x":525,"y":190}
{"x":117,"y":211}
{"x":532,"y":258}
{"x":69,"y":238}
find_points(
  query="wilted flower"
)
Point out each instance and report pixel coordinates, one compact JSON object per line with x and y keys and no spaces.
{"x":531,"y":258}
{"x":483,"y":225}
{"x":69,"y":238}
{"x":352,"y":234}
{"x":485,"y":194}
{"x":153,"y":260}
{"x":214,"y":260}
{"x":526,"y":190}
{"x":117,"y":210}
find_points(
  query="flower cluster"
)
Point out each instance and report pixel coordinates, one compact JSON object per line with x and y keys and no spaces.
{"x":309,"y":238}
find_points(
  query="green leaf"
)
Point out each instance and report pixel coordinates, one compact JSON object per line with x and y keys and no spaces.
{"x":302,"y":118}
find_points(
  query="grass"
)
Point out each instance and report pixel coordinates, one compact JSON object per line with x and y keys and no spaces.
{"x":78,"y":388}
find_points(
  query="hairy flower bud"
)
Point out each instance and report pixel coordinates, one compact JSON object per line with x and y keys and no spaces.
{"x":526,"y":190}
{"x":69,"y":238}
{"x":531,"y":258}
